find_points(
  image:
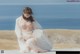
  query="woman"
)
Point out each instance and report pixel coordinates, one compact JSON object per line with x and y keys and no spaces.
{"x":31,"y":37}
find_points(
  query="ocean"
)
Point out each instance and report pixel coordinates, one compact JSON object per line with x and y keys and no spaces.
{"x":63,"y":16}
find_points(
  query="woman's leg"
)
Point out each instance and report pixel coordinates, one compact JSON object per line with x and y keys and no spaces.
{"x":31,"y":45}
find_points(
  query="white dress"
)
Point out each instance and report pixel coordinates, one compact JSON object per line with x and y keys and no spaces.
{"x":42,"y":40}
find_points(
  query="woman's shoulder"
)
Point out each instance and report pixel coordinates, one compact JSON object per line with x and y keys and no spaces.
{"x":17,"y":19}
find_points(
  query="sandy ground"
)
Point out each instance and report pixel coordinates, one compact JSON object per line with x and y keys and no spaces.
{"x":60,"y":38}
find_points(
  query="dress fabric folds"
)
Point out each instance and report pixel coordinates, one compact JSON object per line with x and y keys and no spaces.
{"x":42,"y":40}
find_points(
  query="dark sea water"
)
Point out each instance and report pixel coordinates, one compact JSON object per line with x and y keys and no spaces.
{"x":9,"y":24}
{"x":49,"y":16}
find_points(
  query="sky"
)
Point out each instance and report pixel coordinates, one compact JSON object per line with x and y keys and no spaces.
{"x":23,"y":2}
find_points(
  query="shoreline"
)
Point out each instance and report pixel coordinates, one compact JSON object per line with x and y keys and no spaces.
{"x":47,"y":29}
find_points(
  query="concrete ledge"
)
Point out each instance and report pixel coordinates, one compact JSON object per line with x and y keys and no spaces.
{"x":52,"y":52}
{"x":17,"y":52}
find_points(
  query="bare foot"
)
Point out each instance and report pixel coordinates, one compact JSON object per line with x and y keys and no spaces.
{"x":44,"y":51}
{"x":39,"y":51}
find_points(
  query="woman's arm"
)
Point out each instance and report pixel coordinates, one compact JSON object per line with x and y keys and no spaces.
{"x":18,"y":30}
{"x":30,"y":28}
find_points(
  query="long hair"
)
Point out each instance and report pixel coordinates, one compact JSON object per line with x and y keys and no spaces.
{"x":28,"y":10}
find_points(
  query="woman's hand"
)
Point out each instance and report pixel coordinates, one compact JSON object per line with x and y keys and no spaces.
{"x":28,"y":36}
{"x":24,"y":38}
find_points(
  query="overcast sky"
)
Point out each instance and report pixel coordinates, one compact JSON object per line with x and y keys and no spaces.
{"x":5,"y":2}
